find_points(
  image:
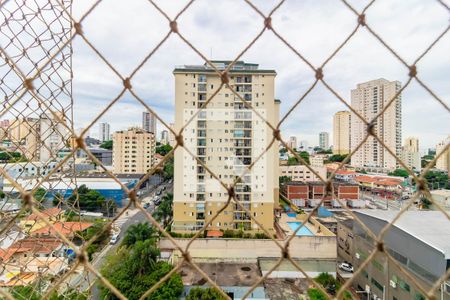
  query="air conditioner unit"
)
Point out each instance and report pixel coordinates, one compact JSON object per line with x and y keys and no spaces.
{"x":393,"y":283}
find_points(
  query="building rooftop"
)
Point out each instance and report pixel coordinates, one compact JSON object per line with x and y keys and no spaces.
{"x":50,"y":212}
{"x":445,"y":193}
{"x":430,"y":227}
{"x":239,"y":67}
{"x":65,"y":228}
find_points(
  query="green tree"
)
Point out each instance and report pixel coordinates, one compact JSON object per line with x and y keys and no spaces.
{"x":2,"y":195}
{"x":163,"y":149}
{"x":12,"y":157}
{"x":294,"y":161}
{"x":139,"y":232}
{"x":437,"y":180}
{"x":400,"y":173}
{"x":58,"y":199}
{"x":98,"y":230}
{"x":316,"y":294}
{"x":107,"y":145}
{"x":204,"y":294}
{"x":134,"y":270}
{"x":86,"y":199}
{"x":168,"y":169}
{"x":40,"y":194}
{"x":337,"y":157}
{"x":283,"y":179}
{"x":164,"y":212}
{"x":283,"y":150}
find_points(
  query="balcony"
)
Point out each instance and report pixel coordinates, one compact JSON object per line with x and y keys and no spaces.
{"x":201,"y":151}
{"x":242,"y":143}
{"x":200,"y":197}
{"x":201,"y":143}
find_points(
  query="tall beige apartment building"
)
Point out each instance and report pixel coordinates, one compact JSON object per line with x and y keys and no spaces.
{"x":341,"y":132}
{"x":227,"y":138}
{"x":410,"y":153}
{"x":324,"y":140}
{"x":368,"y":99}
{"x":443,"y":162}
{"x":133,"y":151}
{"x":40,"y":139}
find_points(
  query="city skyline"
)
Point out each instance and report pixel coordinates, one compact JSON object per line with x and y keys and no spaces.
{"x":154,"y":80}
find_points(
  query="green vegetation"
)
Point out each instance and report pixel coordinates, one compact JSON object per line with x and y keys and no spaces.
{"x":31,"y":292}
{"x":134,"y":269}
{"x":283,"y":150}
{"x":294,"y":161}
{"x":107,"y":145}
{"x":228,"y":233}
{"x":163,"y":149}
{"x":168,"y":169}
{"x":400,"y":173}
{"x":12,"y":157}
{"x":164,"y":212}
{"x":138,"y":233}
{"x":204,"y":294}
{"x":330,"y":284}
{"x":322,"y":151}
{"x":2,"y":195}
{"x":437,"y":180}
{"x":316,"y":294}
{"x":283,"y":179}
{"x":91,"y":200}
{"x":58,"y":199}
{"x":337,"y":157}
{"x":95,"y":230}
{"x":40,"y":194}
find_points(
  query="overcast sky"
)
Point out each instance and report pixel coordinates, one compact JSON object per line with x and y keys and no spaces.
{"x":125,"y":31}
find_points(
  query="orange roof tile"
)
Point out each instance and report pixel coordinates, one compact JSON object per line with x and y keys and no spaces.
{"x":214,"y":233}
{"x":65,"y":228}
{"x":51,"y":212}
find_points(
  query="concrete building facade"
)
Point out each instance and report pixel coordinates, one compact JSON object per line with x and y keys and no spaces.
{"x":443,"y":162}
{"x":293,"y":142}
{"x":341,"y":132}
{"x":104,"y":131}
{"x":227,"y":138}
{"x":149,"y":122}
{"x":369,"y":99}
{"x":133,"y":151}
{"x":324,"y":140}
{"x":302,"y":173}
{"x":410,"y":153}
{"x":419,"y":241}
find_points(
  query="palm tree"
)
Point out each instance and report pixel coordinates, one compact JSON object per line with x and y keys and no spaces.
{"x":139,"y":232}
{"x":164,"y":211}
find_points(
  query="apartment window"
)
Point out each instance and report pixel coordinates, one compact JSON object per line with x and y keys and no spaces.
{"x":377,"y":284}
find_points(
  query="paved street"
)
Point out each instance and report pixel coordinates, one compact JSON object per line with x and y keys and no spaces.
{"x":84,"y":280}
{"x":382,"y":203}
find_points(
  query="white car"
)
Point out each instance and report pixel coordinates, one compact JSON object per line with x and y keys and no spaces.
{"x":346,"y":267}
{"x":114,"y":239}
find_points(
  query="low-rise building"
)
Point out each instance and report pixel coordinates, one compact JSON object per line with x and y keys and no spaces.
{"x":419,"y":242}
{"x":33,"y":222}
{"x":442,"y":198}
{"x":302,"y":172}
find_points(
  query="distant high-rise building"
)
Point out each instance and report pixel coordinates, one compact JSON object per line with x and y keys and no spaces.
{"x":54,"y":136}
{"x":25,"y":135}
{"x":140,"y":159}
{"x":324,"y":141}
{"x":149,"y":122}
{"x":410,"y":153}
{"x":103,"y":131}
{"x":443,"y":162}
{"x":293,"y":142}
{"x":164,"y":137}
{"x":172,"y":140}
{"x":369,"y":99}
{"x":228,"y":138}
{"x":341,"y":132}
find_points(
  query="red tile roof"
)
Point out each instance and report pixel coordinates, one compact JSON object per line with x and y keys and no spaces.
{"x":214,"y":233}
{"x":65,"y":228}
{"x":32,"y":245}
{"x":51,"y":212}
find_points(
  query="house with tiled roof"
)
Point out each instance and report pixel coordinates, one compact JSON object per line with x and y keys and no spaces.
{"x":33,"y":222}
{"x":68,"y":229}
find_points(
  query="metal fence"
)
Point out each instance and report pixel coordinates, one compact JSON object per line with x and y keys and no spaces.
{"x":35,"y":69}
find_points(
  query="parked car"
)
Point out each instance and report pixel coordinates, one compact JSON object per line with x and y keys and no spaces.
{"x":114,"y":239}
{"x":146,"y":205}
{"x":159,"y":192}
{"x":346,"y":267}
